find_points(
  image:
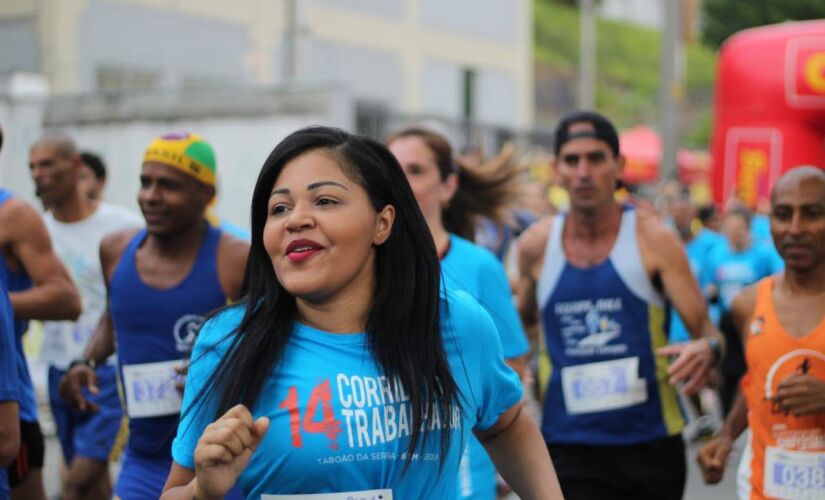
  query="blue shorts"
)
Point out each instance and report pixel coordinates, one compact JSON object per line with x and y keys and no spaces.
{"x":143,"y":477}
{"x":83,"y":433}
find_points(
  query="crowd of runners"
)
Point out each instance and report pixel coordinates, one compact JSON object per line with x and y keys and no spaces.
{"x":372,"y":334}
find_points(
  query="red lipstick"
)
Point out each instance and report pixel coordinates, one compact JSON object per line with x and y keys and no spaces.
{"x":302,"y":249}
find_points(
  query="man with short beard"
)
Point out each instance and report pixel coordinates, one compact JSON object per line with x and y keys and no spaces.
{"x":781,"y":321}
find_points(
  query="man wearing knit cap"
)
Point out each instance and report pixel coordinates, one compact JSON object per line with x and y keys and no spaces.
{"x":162,"y":282}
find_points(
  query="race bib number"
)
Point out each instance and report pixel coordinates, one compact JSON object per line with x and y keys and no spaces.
{"x":794,"y":474}
{"x":349,"y":495}
{"x":150,"y":389}
{"x":602,"y":386}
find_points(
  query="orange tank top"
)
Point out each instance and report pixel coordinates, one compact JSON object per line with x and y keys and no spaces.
{"x":788,"y":452}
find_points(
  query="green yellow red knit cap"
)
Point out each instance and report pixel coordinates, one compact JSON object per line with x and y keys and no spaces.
{"x":186,"y":152}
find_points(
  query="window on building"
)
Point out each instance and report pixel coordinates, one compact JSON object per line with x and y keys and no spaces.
{"x":204,"y":80}
{"x":111,"y":78}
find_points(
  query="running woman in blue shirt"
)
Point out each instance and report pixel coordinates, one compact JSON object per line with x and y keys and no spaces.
{"x":162,"y":281}
{"x":344,"y":370}
{"x":451,"y":197}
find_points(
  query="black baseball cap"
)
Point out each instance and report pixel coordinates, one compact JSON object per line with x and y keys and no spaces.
{"x":602,"y":130}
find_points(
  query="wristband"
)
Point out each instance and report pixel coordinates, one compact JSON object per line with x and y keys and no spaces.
{"x":90,"y":362}
{"x":715,"y":348}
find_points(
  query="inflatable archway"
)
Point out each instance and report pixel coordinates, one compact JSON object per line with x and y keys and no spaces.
{"x":770,"y":108}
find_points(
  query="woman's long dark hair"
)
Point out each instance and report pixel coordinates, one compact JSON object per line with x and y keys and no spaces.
{"x":488,"y":190}
{"x":403,"y":327}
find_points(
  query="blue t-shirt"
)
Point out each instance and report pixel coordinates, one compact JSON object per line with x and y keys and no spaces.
{"x":10,"y":386}
{"x":761,"y":235}
{"x":732,"y":271}
{"x":761,"y":228}
{"x":475,"y":270}
{"x":235,"y":230}
{"x":698,"y":249}
{"x":337,"y":425}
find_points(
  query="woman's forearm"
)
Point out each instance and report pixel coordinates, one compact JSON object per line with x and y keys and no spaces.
{"x":522,"y":459}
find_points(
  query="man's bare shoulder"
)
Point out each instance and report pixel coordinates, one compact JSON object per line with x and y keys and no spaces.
{"x":533,"y":240}
{"x":18,"y":213}
{"x":233,"y":253}
{"x":21,"y":225}
{"x":651,"y":223}
{"x":113,"y":245}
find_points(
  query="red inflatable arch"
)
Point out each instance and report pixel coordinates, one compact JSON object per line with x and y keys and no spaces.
{"x":770,"y":108}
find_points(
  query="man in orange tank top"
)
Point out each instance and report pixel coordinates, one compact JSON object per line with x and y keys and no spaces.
{"x":782,"y":323}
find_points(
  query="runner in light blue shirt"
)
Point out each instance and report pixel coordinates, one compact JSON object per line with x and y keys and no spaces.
{"x":731,"y":267}
{"x":348,"y":363}
{"x":698,"y":251}
{"x":448,"y":195}
{"x":354,"y":426}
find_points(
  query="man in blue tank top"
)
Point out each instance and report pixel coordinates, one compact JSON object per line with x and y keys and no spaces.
{"x":598,"y":280}
{"x":39,"y":288}
{"x":162,"y":282}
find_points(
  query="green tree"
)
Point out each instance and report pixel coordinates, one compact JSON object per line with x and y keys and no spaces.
{"x":723,"y":18}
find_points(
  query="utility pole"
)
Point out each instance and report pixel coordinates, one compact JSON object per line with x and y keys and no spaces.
{"x":290,"y":41}
{"x":587,"y":54}
{"x":671,"y":88}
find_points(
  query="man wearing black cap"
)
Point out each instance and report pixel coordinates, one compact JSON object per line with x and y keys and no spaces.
{"x":599,"y":280}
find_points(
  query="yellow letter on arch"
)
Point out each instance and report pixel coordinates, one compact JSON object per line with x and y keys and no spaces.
{"x":814,"y":72}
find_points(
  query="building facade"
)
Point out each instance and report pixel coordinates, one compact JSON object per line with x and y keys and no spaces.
{"x":455,"y":59}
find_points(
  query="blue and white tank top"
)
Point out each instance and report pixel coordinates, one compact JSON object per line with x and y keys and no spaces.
{"x":155,"y":329}
{"x":602,"y":382}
